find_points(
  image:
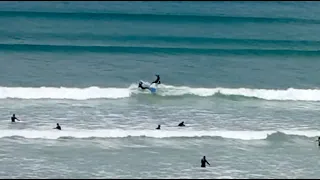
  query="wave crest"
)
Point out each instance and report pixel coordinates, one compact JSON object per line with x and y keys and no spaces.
{"x":120,"y":133}
{"x":290,"y":94}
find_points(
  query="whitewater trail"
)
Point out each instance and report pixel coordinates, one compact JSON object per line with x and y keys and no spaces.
{"x":94,"y":92}
{"x":120,"y":133}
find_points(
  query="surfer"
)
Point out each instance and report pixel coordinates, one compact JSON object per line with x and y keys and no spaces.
{"x":157,"y":81}
{"x":58,"y":127}
{"x":181,"y":124}
{"x":140,"y":86}
{"x":158,"y":127}
{"x":204,"y":161}
{"x":13,"y":118}
{"x":318,"y":141}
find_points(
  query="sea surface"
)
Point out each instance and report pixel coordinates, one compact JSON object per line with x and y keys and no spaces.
{"x":243,"y":76}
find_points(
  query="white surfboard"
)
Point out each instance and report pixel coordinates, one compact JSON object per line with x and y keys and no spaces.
{"x":152,"y":87}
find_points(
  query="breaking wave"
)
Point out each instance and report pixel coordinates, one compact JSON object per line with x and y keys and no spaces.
{"x":120,"y":133}
{"x":290,"y":94}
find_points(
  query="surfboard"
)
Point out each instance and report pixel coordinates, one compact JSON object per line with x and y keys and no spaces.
{"x":145,"y":83}
{"x":153,"y":90}
{"x":152,"y":87}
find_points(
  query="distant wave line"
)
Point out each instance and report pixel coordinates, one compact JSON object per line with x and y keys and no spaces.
{"x":155,"y":17}
{"x":146,"y":38}
{"x":152,"y":50}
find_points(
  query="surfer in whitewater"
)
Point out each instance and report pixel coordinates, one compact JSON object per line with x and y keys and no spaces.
{"x":158,"y":127}
{"x":157,"y":81}
{"x":14,"y":118}
{"x":140,"y":86}
{"x":204,"y":161}
{"x":58,"y":127}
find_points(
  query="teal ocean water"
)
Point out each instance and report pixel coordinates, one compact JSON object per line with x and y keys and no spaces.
{"x":243,"y":76}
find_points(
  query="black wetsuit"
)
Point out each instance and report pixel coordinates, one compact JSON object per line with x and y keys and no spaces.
{"x":13,"y":118}
{"x":58,"y":127}
{"x":203,"y":162}
{"x":140,"y":86}
{"x":158,"y":127}
{"x":157,"y":81}
{"x":181,"y":124}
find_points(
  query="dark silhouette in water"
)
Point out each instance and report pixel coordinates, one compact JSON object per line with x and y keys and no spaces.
{"x":58,"y":127}
{"x":140,"y":86}
{"x":204,"y":161}
{"x":181,"y":124}
{"x":318,"y":141}
{"x":13,"y":118}
{"x":157,"y":81}
{"x":158,"y":127}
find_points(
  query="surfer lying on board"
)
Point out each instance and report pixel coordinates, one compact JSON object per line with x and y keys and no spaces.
{"x":157,"y":81}
{"x":13,"y":118}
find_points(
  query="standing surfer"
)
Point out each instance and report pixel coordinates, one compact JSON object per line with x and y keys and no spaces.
{"x":13,"y":118}
{"x":204,"y":161}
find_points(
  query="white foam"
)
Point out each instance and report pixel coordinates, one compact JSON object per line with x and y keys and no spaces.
{"x":267,"y":94}
{"x":307,"y":133}
{"x":120,"y":133}
{"x":63,"y":93}
{"x":163,"y":90}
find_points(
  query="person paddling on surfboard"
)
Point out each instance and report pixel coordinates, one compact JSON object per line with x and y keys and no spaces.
{"x":157,"y":81}
{"x":13,"y":118}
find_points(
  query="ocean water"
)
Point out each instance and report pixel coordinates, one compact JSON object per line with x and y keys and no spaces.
{"x":243,"y":76}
